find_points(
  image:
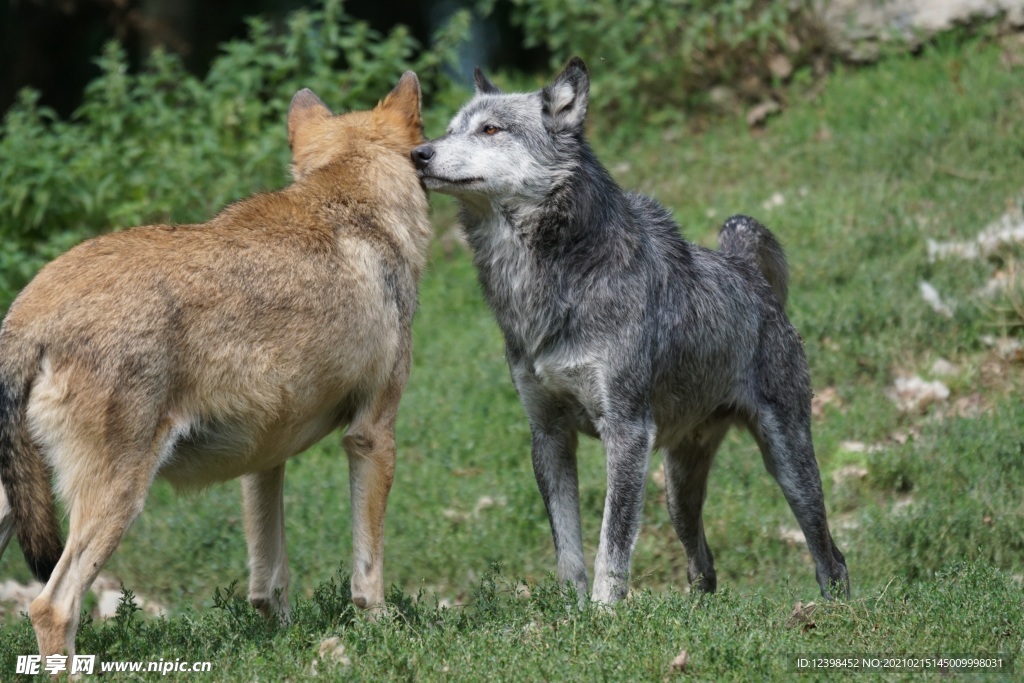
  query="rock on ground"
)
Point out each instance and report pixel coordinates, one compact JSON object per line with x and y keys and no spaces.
{"x":859,"y":28}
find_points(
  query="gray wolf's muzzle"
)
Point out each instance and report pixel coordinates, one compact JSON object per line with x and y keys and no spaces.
{"x":421,"y":156}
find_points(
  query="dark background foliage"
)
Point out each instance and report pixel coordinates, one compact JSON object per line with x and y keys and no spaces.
{"x":52,"y":45}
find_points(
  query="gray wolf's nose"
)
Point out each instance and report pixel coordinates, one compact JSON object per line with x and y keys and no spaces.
{"x":422,"y":155}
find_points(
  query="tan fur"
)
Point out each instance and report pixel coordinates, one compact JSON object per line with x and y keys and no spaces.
{"x":200,"y":353}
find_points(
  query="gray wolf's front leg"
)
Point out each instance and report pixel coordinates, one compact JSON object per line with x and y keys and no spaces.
{"x":628,"y":446}
{"x":553,"y":448}
{"x":554,"y":466}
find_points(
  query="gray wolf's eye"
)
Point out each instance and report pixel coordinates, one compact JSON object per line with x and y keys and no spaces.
{"x":490,"y":130}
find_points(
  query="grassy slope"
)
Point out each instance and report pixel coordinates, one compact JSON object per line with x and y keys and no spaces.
{"x":886,"y":157}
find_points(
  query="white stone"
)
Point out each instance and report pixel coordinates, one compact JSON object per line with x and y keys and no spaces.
{"x":858,"y":28}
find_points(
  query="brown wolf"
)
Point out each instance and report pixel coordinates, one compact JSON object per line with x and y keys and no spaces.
{"x":200,"y":353}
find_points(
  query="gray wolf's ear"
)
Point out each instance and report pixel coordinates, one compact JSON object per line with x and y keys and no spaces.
{"x":406,"y":99}
{"x":484,"y":86}
{"x":565,"y":100}
{"x":305,"y":107}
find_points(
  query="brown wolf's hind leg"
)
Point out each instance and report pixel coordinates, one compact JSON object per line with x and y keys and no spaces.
{"x":104,"y":505}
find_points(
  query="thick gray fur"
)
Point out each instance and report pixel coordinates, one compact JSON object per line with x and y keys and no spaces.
{"x":617,"y":327}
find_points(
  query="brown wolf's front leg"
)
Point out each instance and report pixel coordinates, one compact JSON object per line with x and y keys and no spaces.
{"x":371,"y":462}
{"x":263,"y":504}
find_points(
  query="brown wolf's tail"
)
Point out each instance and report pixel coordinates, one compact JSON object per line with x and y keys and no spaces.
{"x":26,"y":481}
{"x":743,"y":236}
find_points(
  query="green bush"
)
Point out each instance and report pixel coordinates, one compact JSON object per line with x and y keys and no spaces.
{"x":165,"y":145}
{"x":653,"y":58}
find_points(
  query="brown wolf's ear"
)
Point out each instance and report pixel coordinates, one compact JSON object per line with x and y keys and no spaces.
{"x":406,"y":100}
{"x":305,"y":107}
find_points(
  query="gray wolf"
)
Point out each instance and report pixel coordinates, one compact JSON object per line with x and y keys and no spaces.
{"x":201,"y":353}
{"x":617,"y":327}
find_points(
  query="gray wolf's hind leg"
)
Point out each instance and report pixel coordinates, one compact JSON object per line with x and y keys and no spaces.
{"x":687,"y":465}
{"x":785,"y":441}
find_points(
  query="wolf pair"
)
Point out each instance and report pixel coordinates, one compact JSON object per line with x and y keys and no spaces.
{"x":206,"y":352}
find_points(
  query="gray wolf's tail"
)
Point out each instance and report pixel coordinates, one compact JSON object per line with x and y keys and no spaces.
{"x":26,"y":480}
{"x":745,"y":237}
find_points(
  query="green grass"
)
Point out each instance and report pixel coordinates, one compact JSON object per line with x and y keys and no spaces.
{"x":506,"y":634}
{"x":883,"y":159}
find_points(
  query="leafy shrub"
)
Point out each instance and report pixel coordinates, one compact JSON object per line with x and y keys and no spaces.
{"x":657,"y":57}
{"x":165,"y":145}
